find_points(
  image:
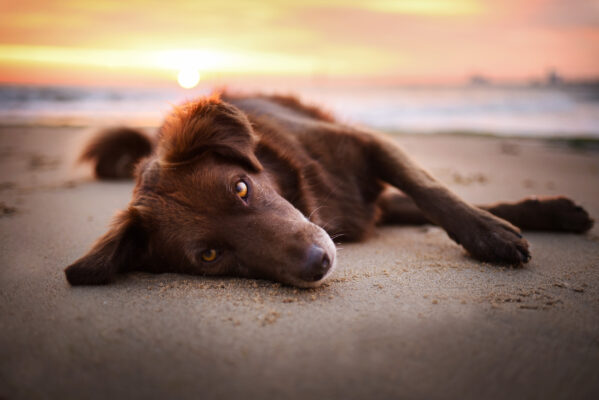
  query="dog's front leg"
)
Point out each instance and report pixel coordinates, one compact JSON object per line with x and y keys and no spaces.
{"x":482,"y":234}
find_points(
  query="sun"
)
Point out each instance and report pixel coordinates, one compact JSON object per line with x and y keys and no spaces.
{"x":188,"y":77}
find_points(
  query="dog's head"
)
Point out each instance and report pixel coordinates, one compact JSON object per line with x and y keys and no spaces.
{"x":203,"y":204}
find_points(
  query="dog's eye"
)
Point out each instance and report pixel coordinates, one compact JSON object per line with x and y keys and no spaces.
{"x":209,"y":255}
{"x":241,"y":188}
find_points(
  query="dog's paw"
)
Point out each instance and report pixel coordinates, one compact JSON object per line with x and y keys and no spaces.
{"x":491,"y":239}
{"x":561,"y":214}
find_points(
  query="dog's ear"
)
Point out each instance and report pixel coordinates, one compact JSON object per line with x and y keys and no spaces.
{"x":208,"y":125}
{"x":123,"y":247}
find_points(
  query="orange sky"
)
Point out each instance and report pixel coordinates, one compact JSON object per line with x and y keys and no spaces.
{"x":410,"y":41}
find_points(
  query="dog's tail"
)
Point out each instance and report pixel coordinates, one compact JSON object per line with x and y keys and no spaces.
{"x":115,"y":152}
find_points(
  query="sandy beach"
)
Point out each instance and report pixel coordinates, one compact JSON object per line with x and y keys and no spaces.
{"x":406,"y":315}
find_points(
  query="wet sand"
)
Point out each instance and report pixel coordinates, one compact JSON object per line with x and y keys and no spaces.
{"x":407,"y":314}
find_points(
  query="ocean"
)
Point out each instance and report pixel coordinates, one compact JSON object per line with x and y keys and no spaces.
{"x":565,"y":110}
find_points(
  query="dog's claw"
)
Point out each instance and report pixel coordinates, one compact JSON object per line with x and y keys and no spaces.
{"x":525,"y":255}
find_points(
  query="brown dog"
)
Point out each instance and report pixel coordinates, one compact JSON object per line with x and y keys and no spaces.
{"x":253,"y":186}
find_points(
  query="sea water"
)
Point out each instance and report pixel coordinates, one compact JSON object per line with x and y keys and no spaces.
{"x":564,"y":110}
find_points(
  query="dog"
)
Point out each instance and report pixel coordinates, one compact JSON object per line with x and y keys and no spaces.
{"x":259,"y":186}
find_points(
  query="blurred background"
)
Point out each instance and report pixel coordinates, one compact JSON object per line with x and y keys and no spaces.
{"x":511,"y":67}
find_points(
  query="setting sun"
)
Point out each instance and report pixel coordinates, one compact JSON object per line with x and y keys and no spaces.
{"x":188,"y":77}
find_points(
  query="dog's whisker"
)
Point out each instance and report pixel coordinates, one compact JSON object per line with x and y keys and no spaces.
{"x":328,"y":223}
{"x":314,"y":211}
{"x":337,"y":235}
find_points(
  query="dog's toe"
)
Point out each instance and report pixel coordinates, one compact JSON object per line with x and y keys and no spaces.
{"x":507,"y":248}
{"x":524,"y":252}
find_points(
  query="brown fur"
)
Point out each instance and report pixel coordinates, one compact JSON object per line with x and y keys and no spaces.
{"x":309,"y":179}
{"x":115,"y":152}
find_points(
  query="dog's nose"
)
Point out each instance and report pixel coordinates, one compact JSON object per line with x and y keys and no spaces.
{"x":317,"y":264}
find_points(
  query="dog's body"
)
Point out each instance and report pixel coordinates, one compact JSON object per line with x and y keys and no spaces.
{"x":256,"y":186}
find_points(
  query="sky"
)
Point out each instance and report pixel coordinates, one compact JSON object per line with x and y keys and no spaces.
{"x":148,"y":42}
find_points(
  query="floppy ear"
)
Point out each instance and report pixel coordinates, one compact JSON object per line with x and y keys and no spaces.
{"x":121,"y":248}
{"x":208,"y":125}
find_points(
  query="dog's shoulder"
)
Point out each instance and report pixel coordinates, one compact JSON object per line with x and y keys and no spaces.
{"x":278,"y":107}
{"x":308,"y":110}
